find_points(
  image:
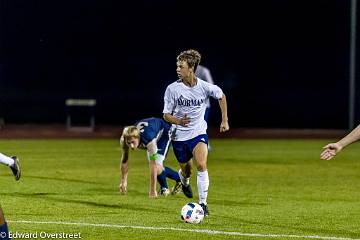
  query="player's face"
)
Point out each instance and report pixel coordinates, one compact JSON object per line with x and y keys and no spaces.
{"x":183,"y":71}
{"x":132,"y":142}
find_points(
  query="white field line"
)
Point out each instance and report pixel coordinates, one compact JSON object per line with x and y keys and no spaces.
{"x":207,"y":231}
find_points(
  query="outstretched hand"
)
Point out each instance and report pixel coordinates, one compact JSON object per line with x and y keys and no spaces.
{"x":330,"y":151}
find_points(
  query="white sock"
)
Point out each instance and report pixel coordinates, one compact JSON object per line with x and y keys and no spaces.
{"x":184,"y":181}
{"x":6,"y":160}
{"x":203,"y":185}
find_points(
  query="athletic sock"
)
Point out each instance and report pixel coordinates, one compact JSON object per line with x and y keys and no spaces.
{"x":4,"y":232}
{"x":203,"y":186}
{"x":184,"y":181}
{"x":172,"y":174}
{"x":162,"y":180}
{"x":6,"y":160}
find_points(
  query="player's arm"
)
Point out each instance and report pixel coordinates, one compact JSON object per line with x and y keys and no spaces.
{"x":152,"y":157}
{"x":224,"y":126}
{"x":353,"y":136}
{"x":124,"y":167}
{"x":331,"y":149}
{"x":169,"y":105}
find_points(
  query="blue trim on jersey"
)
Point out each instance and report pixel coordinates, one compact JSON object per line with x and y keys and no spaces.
{"x":184,"y":149}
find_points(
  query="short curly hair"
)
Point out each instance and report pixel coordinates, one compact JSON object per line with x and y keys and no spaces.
{"x":191,"y":56}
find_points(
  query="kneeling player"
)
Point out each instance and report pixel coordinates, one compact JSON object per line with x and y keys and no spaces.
{"x":151,"y":134}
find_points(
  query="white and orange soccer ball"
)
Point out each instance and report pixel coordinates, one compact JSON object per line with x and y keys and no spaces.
{"x":192,"y":213}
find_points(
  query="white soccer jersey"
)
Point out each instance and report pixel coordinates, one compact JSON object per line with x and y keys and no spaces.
{"x":180,"y":99}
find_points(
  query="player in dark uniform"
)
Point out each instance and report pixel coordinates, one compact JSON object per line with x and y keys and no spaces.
{"x":153,"y":135}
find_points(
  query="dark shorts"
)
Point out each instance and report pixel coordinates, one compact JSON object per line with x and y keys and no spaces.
{"x":184,"y":149}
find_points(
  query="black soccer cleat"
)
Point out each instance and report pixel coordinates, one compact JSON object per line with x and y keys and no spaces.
{"x":187,"y":190}
{"x":205,"y":208}
{"x":15,"y":168}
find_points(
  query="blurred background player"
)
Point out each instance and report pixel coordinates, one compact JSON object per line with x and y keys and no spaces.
{"x":331,"y":149}
{"x":203,"y":73}
{"x":184,"y":107}
{"x":13,"y":163}
{"x":152,"y":134}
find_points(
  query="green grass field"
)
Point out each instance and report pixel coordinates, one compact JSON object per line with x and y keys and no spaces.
{"x":259,"y":189}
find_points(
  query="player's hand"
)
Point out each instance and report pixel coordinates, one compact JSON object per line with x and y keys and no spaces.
{"x":152,"y":194}
{"x":184,"y":121}
{"x":330,"y":151}
{"x":123,"y":187}
{"x":224,"y":126}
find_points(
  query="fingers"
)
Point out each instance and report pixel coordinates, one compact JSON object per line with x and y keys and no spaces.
{"x":122,"y":189}
{"x":185,"y":121}
{"x":152,"y":195}
{"x":224,"y":127}
{"x":327,"y":154}
{"x":330,"y":150}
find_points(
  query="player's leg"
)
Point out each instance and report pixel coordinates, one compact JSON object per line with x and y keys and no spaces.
{"x":161,"y":176}
{"x":4,"y":232}
{"x":200,"y":157}
{"x":163,"y":146}
{"x":167,"y":172}
{"x":13,"y":163}
{"x":184,"y":155}
{"x":164,"y":172}
{"x":8,"y":161}
{"x":184,"y":174}
{"x":171,"y":174}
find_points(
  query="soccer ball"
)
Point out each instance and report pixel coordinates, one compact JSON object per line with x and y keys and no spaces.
{"x":192,"y":213}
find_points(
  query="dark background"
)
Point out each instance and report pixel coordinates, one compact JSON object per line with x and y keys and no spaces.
{"x":281,"y":63}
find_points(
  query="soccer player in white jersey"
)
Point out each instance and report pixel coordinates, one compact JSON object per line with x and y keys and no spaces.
{"x":184,"y":107}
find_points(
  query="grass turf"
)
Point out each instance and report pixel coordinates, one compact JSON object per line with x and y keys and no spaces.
{"x":264,"y":187}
